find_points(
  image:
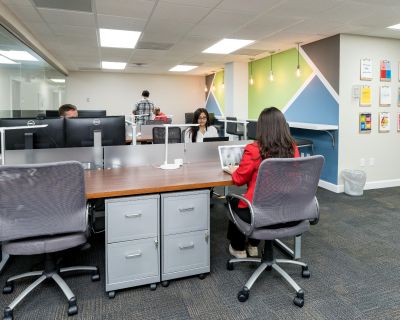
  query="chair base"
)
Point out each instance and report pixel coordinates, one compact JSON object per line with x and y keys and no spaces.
{"x":267,"y":262}
{"x":43,"y":275}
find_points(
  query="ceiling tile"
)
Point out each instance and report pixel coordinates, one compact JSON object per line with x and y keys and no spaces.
{"x":80,"y":19}
{"x":126,"y":8}
{"x":117,"y":55}
{"x":168,"y":11}
{"x":197,"y":3}
{"x":25,"y":13}
{"x":69,"y":30}
{"x":255,"y":6}
{"x":120,"y":23}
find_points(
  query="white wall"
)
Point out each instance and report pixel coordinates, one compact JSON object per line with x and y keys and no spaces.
{"x":118,"y":92}
{"x":381,"y":151}
{"x":236,"y":89}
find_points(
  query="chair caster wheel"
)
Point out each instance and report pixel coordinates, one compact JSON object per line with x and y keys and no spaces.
{"x":298,"y":302}
{"x":202,"y":276}
{"x":243,"y":294}
{"x":8,"y":314}
{"x":153,"y":286}
{"x":8,"y":288}
{"x":111,"y":294}
{"x":96,"y":277}
{"x":305,"y":273}
{"x":165,"y":283}
{"x":229,"y":265}
{"x":72,"y":307}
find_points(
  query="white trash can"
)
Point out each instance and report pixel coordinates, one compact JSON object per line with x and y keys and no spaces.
{"x":354,"y":182}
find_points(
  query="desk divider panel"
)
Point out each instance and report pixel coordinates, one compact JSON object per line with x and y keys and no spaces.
{"x":86,"y":155}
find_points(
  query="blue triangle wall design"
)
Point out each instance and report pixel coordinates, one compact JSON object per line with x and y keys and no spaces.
{"x":212,"y":105}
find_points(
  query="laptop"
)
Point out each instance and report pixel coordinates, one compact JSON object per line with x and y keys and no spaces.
{"x":230,"y":155}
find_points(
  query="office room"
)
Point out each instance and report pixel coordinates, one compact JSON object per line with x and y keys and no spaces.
{"x":133,"y":213}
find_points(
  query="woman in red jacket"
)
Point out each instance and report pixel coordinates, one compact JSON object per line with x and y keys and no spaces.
{"x":273,"y":140}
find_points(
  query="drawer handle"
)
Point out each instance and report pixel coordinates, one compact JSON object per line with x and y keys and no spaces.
{"x":186,"y":246}
{"x":133,"y":215}
{"x":186,"y":209}
{"x":133,"y":255}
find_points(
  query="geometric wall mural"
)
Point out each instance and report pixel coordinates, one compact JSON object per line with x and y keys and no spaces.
{"x":215,"y":93}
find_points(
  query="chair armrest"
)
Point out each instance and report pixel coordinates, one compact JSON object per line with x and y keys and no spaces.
{"x":233,"y":215}
{"x":316,"y":220}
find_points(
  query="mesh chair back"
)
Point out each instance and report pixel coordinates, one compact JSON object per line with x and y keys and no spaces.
{"x":211,"y":115}
{"x":169,"y":120}
{"x":41,"y":199}
{"x":189,"y":117}
{"x":154,"y":122}
{"x":174,"y":135}
{"x":285,"y":190}
{"x":231,"y":127}
{"x":252,"y":130}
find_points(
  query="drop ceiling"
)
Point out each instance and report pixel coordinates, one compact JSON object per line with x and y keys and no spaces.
{"x":177,"y":31}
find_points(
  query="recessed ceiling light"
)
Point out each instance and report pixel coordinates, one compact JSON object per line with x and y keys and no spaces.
{"x":182,"y":68}
{"x":113,"y":65}
{"x":394,"y":27}
{"x":226,"y":46}
{"x":18,"y":55}
{"x":4,"y":60}
{"x":118,"y":38}
{"x":58,"y":80}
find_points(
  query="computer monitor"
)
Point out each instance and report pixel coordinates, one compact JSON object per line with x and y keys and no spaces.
{"x":91,"y":113}
{"x":215,"y":139}
{"x":52,"y":114}
{"x":51,"y":136}
{"x":79,"y":132}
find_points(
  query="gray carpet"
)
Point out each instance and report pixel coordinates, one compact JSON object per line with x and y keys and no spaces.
{"x":353,"y":254}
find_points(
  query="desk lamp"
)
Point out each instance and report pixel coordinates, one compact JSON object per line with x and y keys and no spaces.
{"x":166,"y":165}
{"x":3,"y":137}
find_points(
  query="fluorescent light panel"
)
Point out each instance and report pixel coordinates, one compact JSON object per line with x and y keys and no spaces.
{"x":226,"y":46}
{"x":394,"y":27}
{"x":182,"y":68}
{"x":18,"y":55}
{"x":58,"y":80}
{"x":118,"y":38}
{"x":113,"y":65}
{"x":4,"y":60}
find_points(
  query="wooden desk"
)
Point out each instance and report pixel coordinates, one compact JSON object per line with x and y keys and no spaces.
{"x":149,"y":179}
{"x":140,"y":139}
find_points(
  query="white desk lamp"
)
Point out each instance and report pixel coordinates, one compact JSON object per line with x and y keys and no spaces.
{"x":3,"y":138}
{"x":166,"y":165}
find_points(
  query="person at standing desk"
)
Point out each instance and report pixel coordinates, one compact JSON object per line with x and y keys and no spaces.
{"x":273,"y":140}
{"x":143,"y":107}
{"x":68,"y":111}
{"x":204,"y":130}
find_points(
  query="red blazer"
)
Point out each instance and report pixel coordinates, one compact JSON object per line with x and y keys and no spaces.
{"x":248,"y":170}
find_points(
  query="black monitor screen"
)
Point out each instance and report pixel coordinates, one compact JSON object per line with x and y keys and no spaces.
{"x":79,"y":131}
{"x":52,"y":114}
{"x":211,"y":139}
{"x":81,"y":113}
{"x":51,"y":136}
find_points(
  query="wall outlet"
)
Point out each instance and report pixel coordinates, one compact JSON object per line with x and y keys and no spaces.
{"x":371,"y":162}
{"x":362,"y":162}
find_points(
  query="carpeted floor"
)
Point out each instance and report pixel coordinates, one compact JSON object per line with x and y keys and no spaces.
{"x":353,"y":254}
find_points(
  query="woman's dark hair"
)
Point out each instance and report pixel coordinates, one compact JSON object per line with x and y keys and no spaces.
{"x":196,"y":116}
{"x":273,"y":135}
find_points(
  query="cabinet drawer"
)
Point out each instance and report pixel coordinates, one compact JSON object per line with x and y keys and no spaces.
{"x":133,"y":219}
{"x":185,"y":212}
{"x":132,"y":260}
{"x":187,"y":251}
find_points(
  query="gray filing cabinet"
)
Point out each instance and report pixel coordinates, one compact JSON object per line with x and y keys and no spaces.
{"x":185,"y":234}
{"x":132,"y":242}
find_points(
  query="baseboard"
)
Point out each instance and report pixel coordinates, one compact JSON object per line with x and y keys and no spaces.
{"x":382,"y":184}
{"x":330,"y":186}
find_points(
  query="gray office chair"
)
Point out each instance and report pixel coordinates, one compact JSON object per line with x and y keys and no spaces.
{"x":284,"y":205}
{"x":252,"y":130}
{"x":232,"y":128}
{"x":43,"y":210}
{"x":174,"y":135}
{"x":189,"y":117}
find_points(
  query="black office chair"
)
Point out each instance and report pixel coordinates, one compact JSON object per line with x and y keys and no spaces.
{"x":252,"y":130}
{"x":305,"y":143}
{"x":154,"y":122}
{"x":43,"y":211}
{"x":211,"y":116}
{"x":284,"y":205}
{"x":189,"y":117}
{"x":232,"y":128}
{"x":174,"y":135}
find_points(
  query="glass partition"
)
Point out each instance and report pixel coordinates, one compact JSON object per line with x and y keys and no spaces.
{"x":28,"y":84}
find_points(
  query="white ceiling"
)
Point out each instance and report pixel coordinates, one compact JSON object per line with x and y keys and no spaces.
{"x":187,"y":27}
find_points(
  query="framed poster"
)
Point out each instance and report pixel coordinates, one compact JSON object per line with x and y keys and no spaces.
{"x":384,"y":121}
{"x":385,"y":96}
{"x":385,"y":71}
{"x":365,"y":96}
{"x":366,"y":69}
{"x":365,"y":122}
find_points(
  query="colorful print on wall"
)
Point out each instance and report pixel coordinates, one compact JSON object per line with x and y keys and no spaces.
{"x":384,"y":121}
{"x":385,"y":70}
{"x":385,"y":96}
{"x":366,"y":69}
{"x":365,"y":96}
{"x":365,"y":122}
